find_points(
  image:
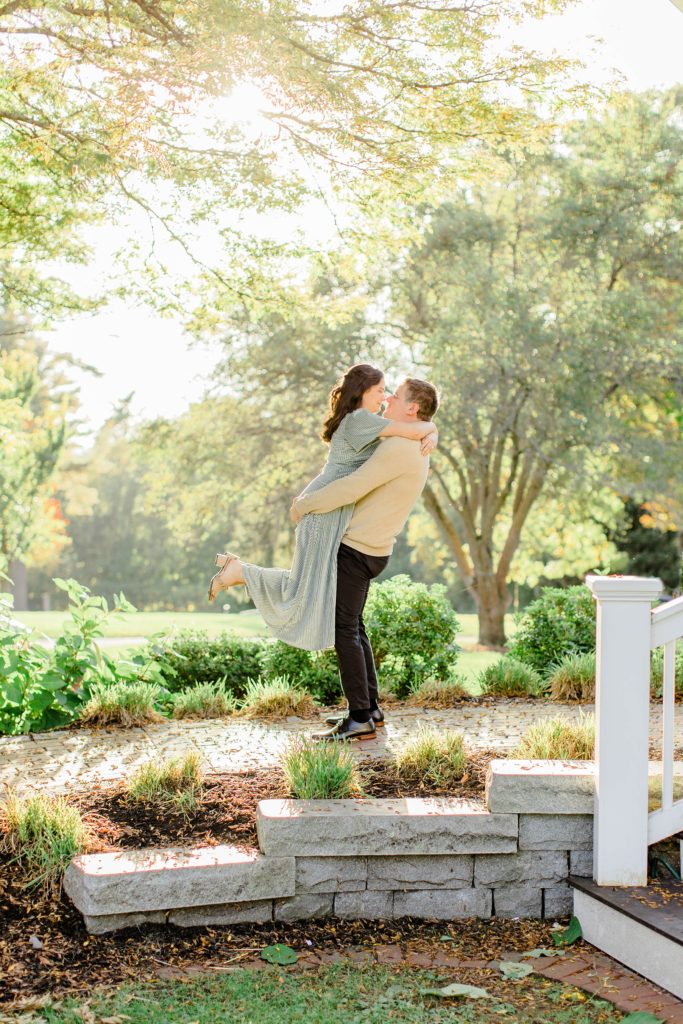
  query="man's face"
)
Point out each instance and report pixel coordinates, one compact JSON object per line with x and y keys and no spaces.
{"x":398,"y":406}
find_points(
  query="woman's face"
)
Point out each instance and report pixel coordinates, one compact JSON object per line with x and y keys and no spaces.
{"x":374,"y":397}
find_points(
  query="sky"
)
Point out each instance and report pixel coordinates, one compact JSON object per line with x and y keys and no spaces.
{"x":137,"y":351}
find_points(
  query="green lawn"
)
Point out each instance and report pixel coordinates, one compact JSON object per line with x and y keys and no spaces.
{"x":247,"y":623}
{"x":348,"y":993}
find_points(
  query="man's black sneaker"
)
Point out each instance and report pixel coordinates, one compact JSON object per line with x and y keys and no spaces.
{"x":347,"y":729}
{"x":377,"y":716}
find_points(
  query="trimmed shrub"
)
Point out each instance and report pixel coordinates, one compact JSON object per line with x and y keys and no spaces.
{"x":436,"y":755}
{"x":176,"y":781}
{"x":436,"y":694}
{"x":314,"y":671}
{"x":44,"y":833}
{"x":207,"y":700}
{"x":412,"y":629}
{"x":574,"y":678}
{"x":320,"y":771}
{"x":510,"y":678}
{"x":122,"y":704}
{"x":194,"y":657}
{"x":560,"y":622}
{"x":275,"y":698}
{"x":657,"y":673}
{"x":557,"y":739}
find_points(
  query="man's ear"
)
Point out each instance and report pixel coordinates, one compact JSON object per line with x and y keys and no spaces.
{"x":413,"y":408}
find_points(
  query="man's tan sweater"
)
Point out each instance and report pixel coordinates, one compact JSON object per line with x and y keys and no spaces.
{"x":384,"y":490}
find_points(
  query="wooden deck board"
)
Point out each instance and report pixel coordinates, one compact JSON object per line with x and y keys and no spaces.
{"x":658,"y":906}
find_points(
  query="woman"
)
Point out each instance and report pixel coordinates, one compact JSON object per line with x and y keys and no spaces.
{"x":298,"y":604}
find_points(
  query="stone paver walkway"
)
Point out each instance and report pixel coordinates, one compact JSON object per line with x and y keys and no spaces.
{"x":66,"y":759}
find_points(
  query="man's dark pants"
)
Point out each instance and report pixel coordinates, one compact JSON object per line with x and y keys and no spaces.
{"x":355,"y":572}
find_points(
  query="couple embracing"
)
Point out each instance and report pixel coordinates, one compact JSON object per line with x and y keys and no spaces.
{"x":347,"y":519}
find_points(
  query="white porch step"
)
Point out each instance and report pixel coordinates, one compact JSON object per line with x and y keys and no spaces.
{"x":640,"y":927}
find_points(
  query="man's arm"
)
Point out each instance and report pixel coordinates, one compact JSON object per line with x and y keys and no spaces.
{"x":382,"y":466}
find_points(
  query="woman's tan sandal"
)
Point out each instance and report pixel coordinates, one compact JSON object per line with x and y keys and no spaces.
{"x":216,"y":584}
{"x":222,"y":558}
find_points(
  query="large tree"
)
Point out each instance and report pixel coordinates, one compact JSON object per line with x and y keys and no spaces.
{"x":108,"y":104}
{"x":545,"y":299}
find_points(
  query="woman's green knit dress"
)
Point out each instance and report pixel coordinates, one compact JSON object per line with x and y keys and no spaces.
{"x":298,"y":604}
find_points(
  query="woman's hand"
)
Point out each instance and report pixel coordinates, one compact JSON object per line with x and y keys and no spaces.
{"x":294,"y":513}
{"x":429,"y":442}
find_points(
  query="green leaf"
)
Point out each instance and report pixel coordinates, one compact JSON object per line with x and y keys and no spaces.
{"x":40,"y":700}
{"x":446,"y":938}
{"x":456,"y":991}
{"x":52,"y":681}
{"x":279,"y":954}
{"x":13,"y":693}
{"x":540,"y":951}
{"x":570,"y":934}
{"x":513,"y":971}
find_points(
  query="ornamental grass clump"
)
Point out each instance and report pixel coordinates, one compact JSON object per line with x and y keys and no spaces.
{"x":122,"y":703}
{"x":177,"y":782}
{"x":320,"y":771}
{"x":573,"y":679}
{"x":44,"y":834}
{"x":207,"y":700}
{"x":276,"y":698}
{"x":436,"y":693}
{"x":557,"y":739}
{"x":510,"y":678}
{"x":435,"y":755}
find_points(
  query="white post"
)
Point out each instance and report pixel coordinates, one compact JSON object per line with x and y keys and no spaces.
{"x":622,"y":707}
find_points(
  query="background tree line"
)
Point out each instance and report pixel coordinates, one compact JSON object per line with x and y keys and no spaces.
{"x":530,"y":264}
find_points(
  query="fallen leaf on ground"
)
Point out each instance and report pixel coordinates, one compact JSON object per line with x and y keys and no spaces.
{"x":279,"y":954}
{"x":454,"y":991}
{"x":570,"y":934}
{"x":513,"y":971}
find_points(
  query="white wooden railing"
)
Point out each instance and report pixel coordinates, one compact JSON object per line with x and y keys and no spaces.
{"x":627,"y":630}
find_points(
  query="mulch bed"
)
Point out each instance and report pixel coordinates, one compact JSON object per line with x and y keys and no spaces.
{"x":226,"y":812}
{"x":44,"y":947}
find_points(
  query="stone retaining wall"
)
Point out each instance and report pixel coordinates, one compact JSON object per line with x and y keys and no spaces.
{"x":509,"y":856}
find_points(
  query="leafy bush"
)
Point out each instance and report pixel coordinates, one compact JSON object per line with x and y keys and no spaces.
{"x":314,"y":671}
{"x":557,"y":739}
{"x":436,"y":694}
{"x":574,"y":678}
{"x":412,"y":629}
{"x":560,"y":622}
{"x":122,"y":703}
{"x":193,"y":657}
{"x":207,"y":700}
{"x":437,"y":755}
{"x":176,"y":781}
{"x":44,"y":833}
{"x":508,"y":677}
{"x":657,"y":673}
{"x":275,"y":698}
{"x":320,"y":771}
{"x":43,"y":689}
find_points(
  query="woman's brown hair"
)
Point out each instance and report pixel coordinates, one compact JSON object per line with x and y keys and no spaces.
{"x":347,"y":394}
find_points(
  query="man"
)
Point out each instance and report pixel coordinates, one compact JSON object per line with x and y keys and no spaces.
{"x":384,"y":491}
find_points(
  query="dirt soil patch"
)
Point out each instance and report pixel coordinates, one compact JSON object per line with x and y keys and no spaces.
{"x":226,"y":808}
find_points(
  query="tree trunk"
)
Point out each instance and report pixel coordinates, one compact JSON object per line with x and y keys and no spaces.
{"x":492,"y":603}
{"x":17,"y":573}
